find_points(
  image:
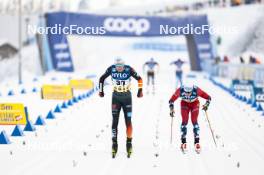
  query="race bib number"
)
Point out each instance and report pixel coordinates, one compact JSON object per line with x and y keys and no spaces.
{"x":121,"y":85}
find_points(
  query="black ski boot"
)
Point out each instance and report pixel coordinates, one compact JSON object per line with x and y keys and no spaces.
{"x":114,"y":148}
{"x":129,"y":147}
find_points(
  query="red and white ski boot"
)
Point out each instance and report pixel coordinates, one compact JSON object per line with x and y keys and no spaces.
{"x":184,"y":147}
{"x":197,"y":147}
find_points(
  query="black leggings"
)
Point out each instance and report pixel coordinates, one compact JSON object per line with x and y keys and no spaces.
{"x":150,"y":76}
{"x":121,"y":100}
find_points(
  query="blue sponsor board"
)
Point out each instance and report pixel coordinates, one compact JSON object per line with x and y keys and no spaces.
{"x":242,"y":85}
{"x":61,"y":24}
{"x":259,"y":94}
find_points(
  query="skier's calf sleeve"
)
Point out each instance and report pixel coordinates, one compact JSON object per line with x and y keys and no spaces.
{"x":183,"y":130}
{"x":140,"y":83}
{"x":196,"y":130}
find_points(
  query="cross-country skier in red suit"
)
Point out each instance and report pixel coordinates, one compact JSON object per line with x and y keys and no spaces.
{"x":189,"y":105}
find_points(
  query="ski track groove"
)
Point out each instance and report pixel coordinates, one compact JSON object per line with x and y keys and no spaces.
{"x":33,"y":165}
{"x":236,"y":126}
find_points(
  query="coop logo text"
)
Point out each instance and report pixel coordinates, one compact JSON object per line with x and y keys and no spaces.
{"x":131,"y":25}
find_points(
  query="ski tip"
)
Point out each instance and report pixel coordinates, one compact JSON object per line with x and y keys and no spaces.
{"x":184,"y":152}
{"x":129,"y":154}
{"x":198,"y":151}
{"x":113,"y":156}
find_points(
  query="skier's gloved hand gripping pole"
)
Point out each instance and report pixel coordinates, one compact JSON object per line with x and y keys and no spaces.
{"x":206,"y":105}
{"x":172,"y":112}
{"x":101,"y":91}
{"x":101,"y":82}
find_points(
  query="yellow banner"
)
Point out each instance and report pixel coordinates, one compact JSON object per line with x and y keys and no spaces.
{"x":56,"y":92}
{"x":82,"y":84}
{"x":12,"y":114}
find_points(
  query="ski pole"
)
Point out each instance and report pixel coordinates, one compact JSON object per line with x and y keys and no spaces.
{"x":171,"y":130}
{"x":206,"y":115}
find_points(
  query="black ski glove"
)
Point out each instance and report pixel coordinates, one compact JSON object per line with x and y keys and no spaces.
{"x":140,"y":93}
{"x":172,"y":110}
{"x":206,"y":105}
{"x":101,"y":94}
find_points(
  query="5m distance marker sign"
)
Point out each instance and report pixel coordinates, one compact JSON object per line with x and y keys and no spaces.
{"x":12,"y":114}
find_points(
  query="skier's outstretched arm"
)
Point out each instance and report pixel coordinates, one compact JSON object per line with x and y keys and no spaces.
{"x":204,"y":95}
{"x":175,"y":96}
{"x":158,"y":67}
{"x":101,"y":81}
{"x":140,"y":82}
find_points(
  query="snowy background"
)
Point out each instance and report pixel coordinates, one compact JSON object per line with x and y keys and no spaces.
{"x":78,"y":140}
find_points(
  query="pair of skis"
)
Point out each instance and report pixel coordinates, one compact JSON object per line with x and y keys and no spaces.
{"x":128,"y":149}
{"x":129,"y":153}
{"x":185,"y":150}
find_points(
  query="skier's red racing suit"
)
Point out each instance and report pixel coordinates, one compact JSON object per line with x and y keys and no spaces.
{"x":189,"y":104}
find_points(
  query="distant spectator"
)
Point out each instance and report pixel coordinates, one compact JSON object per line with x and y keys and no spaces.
{"x":219,"y":40}
{"x":254,"y":60}
{"x":216,"y":2}
{"x":249,"y":1}
{"x":251,"y":60}
{"x":226,"y":59}
{"x":235,"y":2}
{"x":258,"y":61}
{"x":217,"y":60}
{"x":224,"y":3}
{"x":242,"y":61}
{"x":215,"y":70}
